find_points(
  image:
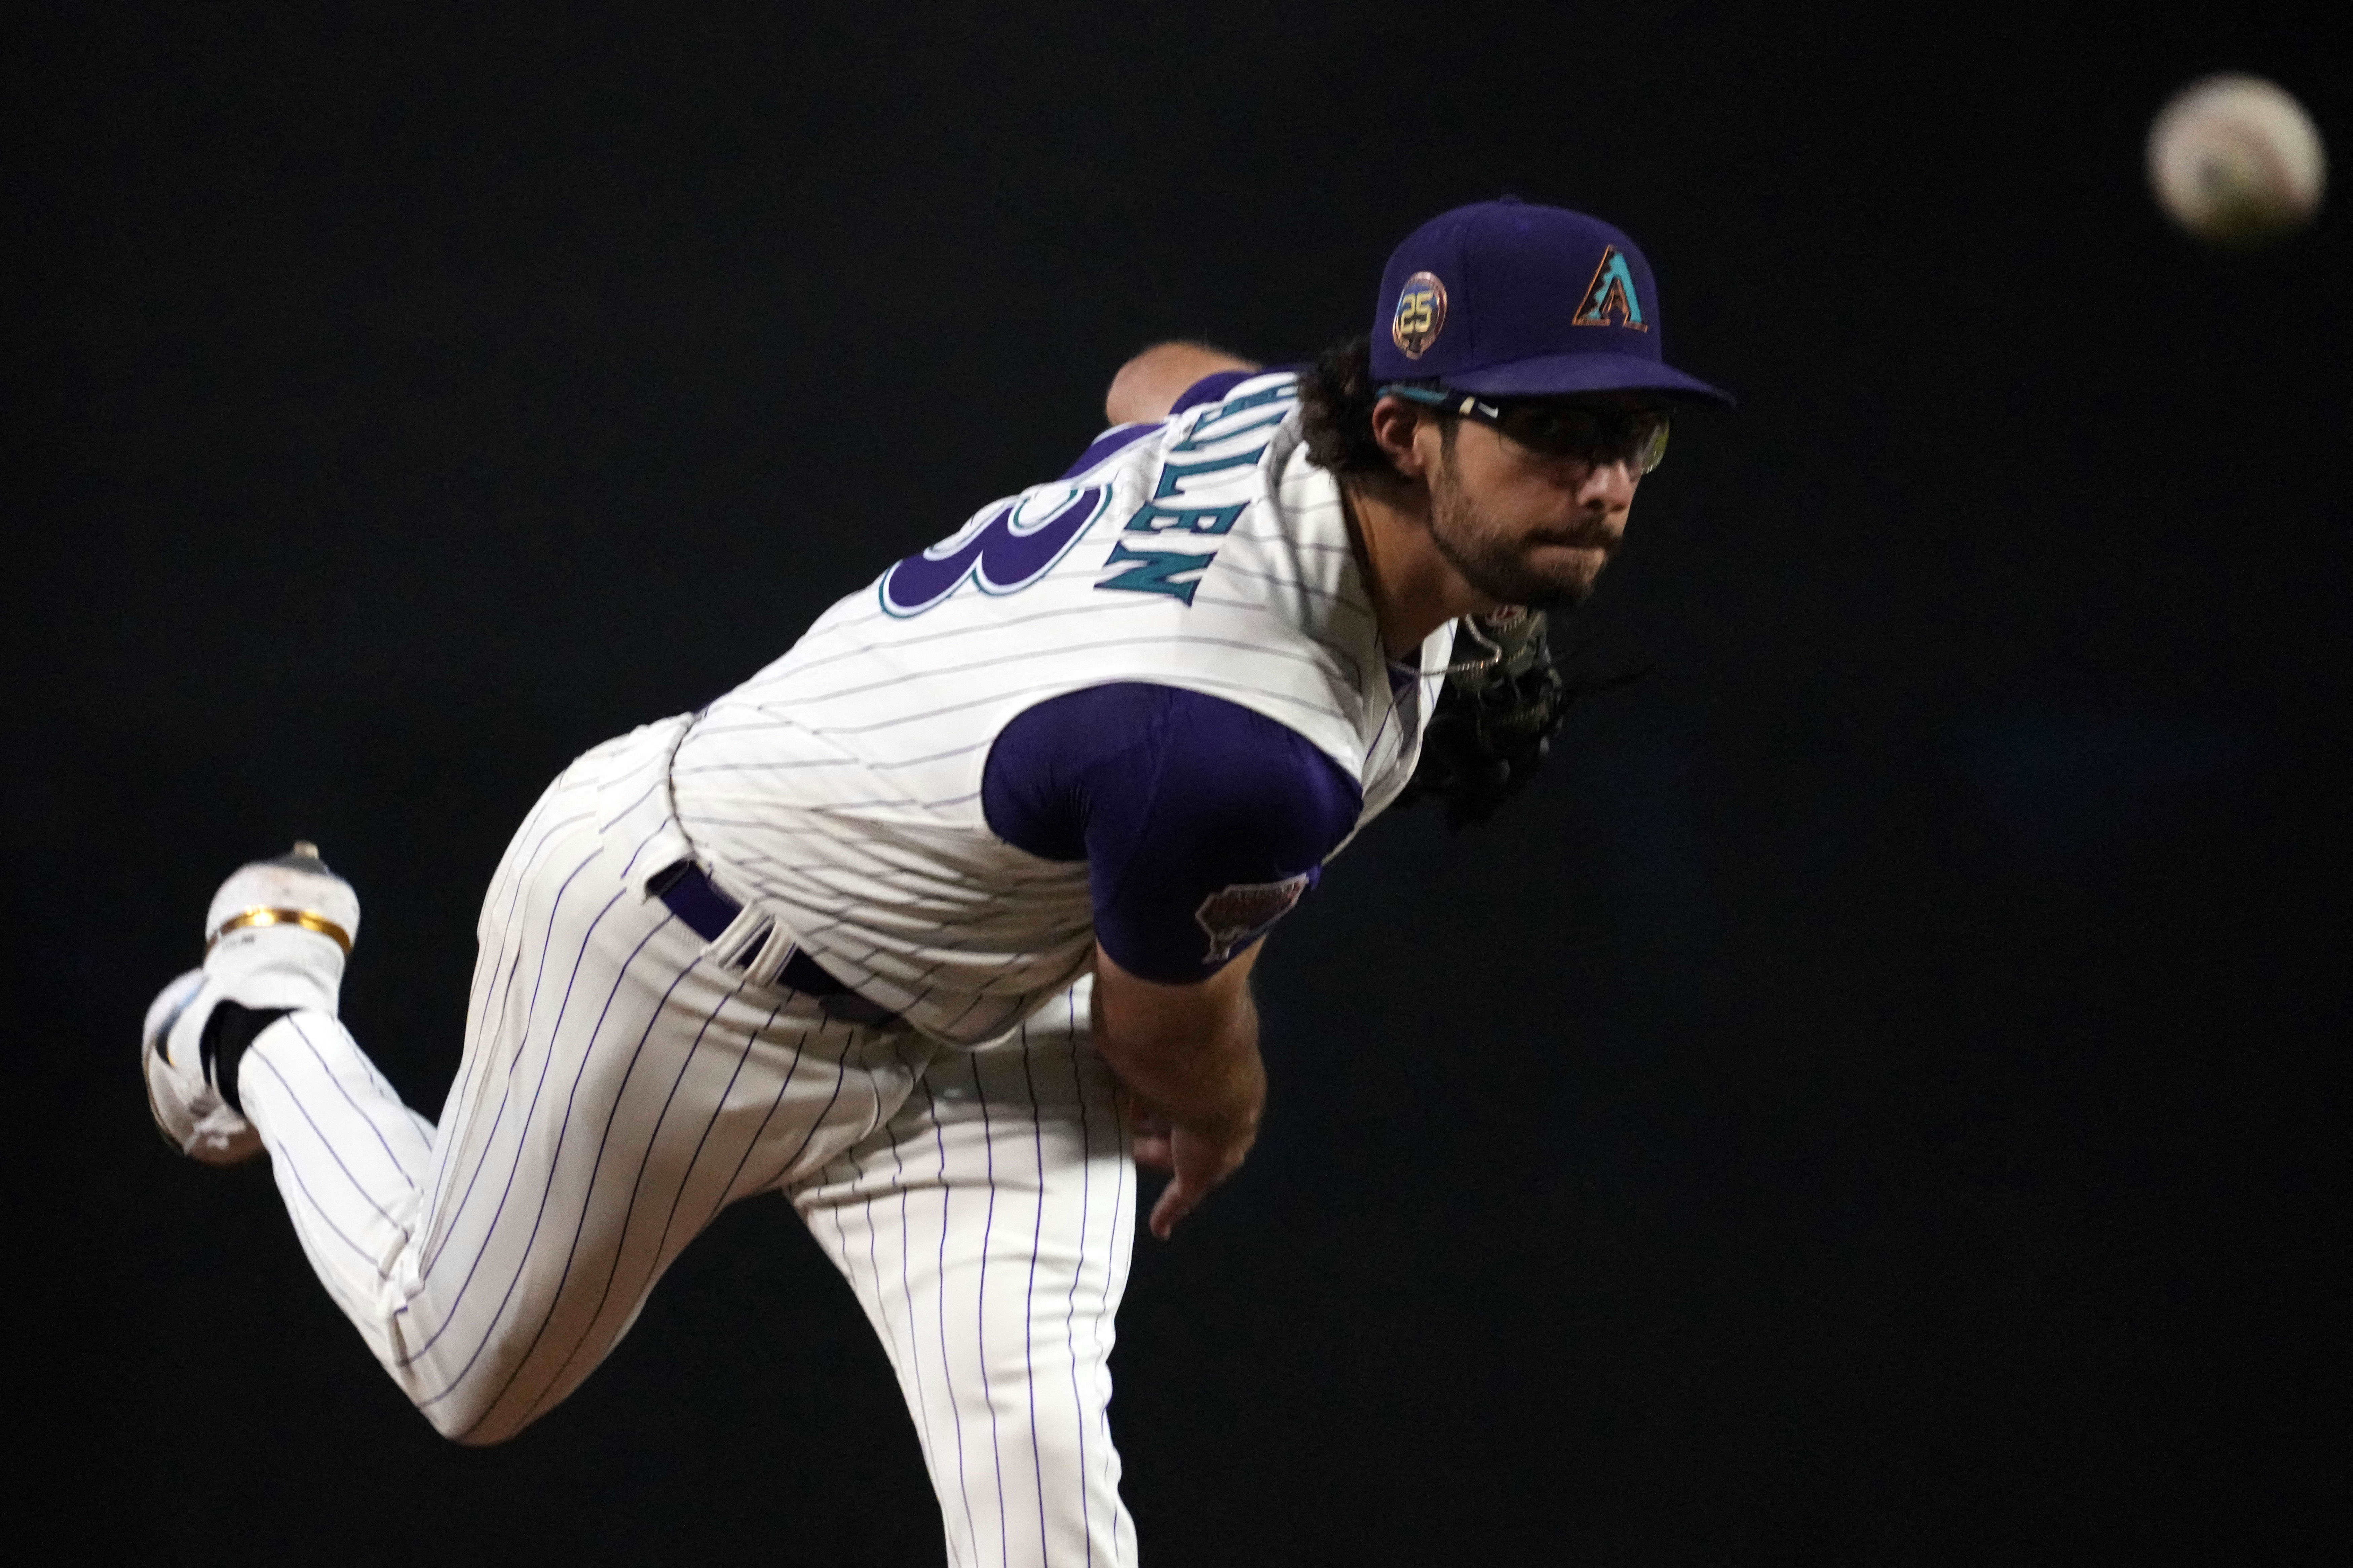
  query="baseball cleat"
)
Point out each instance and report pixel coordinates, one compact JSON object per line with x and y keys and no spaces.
{"x":276,"y":935}
{"x":187,"y":1107}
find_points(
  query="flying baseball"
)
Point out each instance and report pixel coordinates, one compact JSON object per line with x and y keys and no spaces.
{"x":2235,"y":160}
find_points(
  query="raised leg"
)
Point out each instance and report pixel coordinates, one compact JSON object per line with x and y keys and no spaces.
{"x":617,"y":1090}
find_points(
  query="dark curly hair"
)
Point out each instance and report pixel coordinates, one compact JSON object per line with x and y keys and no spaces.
{"x":1335,"y":412}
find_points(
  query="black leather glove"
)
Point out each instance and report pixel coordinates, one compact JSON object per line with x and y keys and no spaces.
{"x":1495,"y":718}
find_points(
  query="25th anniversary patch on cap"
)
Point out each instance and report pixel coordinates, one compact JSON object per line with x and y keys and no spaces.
{"x":1420,"y":315}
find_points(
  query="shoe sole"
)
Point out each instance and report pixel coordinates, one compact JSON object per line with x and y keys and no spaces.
{"x":151,"y":1041}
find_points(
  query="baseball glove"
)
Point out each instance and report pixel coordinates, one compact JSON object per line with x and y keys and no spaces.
{"x":1503,"y":701}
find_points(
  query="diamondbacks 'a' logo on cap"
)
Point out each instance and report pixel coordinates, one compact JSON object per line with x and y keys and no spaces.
{"x":1612,"y":299}
{"x":1420,"y":315}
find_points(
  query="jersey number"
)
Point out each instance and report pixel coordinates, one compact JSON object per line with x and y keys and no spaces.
{"x":1004,"y":550}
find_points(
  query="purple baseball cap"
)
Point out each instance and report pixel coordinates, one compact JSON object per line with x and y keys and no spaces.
{"x":1511,"y":299}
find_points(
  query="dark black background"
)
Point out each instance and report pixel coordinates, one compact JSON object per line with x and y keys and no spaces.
{"x":1881,"y":1098}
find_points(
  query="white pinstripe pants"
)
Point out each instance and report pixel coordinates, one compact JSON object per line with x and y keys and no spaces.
{"x":620,"y":1088}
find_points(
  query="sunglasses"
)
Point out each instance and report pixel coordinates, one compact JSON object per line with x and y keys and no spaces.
{"x":1634,"y":436}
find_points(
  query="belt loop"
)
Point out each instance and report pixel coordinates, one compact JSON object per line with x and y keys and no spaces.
{"x":770,"y":961}
{"x":669,"y":844}
{"x":742,"y":943}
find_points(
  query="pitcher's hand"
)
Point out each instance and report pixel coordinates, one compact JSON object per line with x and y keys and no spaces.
{"x":1197,"y":1159}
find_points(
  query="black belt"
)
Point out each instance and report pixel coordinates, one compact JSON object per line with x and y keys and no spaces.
{"x":708,"y":912}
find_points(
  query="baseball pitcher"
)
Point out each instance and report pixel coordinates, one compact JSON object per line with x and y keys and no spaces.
{"x":942,"y":924}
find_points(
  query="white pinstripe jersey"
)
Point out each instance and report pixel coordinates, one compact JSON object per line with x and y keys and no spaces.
{"x":839,"y":789}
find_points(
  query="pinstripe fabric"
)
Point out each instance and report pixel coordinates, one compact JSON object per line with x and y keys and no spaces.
{"x":617,"y":1090}
{"x":619,"y":1087}
{"x":839,"y":789}
{"x":1007,"y":1170}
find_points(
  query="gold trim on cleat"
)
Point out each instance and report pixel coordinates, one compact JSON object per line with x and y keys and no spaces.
{"x":302,"y":918}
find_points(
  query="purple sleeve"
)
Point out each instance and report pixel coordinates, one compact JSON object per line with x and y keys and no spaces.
{"x":1201,"y":822}
{"x":1208,"y":389}
{"x":1105,"y":445}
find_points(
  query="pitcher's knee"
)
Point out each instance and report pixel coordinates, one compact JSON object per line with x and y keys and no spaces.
{"x":471,"y":1423}
{"x":474,"y":1412}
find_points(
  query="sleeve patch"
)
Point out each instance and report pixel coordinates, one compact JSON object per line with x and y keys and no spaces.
{"x":1234,"y":917}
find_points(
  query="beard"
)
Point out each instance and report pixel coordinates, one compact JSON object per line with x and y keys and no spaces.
{"x":1499,"y":562}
